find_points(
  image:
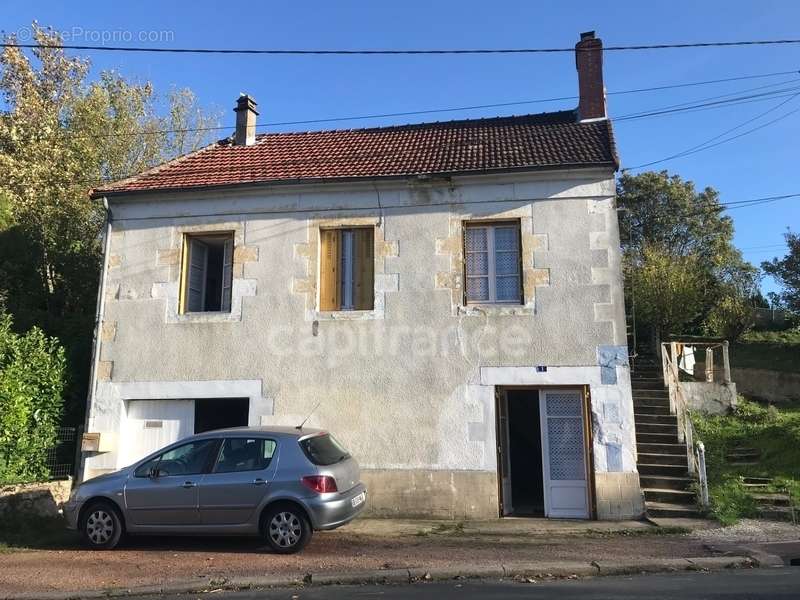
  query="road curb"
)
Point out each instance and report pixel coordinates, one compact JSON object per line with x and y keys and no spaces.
{"x":531,"y":571}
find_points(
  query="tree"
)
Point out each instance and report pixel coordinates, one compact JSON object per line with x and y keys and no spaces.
{"x":670,"y":289}
{"x":61,"y":135}
{"x":787,"y":272}
{"x":664,"y":211}
{"x":666,"y":224}
{"x":731,"y":317}
{"x":31,"y":385}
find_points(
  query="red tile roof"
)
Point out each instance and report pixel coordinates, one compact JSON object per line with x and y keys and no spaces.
{"x":547,"y":140}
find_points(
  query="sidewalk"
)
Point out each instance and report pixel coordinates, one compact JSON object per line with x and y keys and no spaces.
{"x":366,"y":550}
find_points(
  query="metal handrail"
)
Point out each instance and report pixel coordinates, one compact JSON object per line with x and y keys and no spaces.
{"x":679,"y":406}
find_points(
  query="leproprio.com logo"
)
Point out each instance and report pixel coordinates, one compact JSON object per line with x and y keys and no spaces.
{"x":102,"y":37}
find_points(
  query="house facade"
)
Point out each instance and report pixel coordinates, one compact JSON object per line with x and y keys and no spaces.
{"x":446,"y":298}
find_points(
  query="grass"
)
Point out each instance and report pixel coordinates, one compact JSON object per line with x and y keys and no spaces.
{"x":773,"y":350}
{"x":774,"y":432}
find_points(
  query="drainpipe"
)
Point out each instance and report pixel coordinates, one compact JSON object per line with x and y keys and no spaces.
{"x":98,"y":323}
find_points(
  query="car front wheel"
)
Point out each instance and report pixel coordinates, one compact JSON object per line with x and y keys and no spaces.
{"x":101,"y":526}
{"x":287,"y":529}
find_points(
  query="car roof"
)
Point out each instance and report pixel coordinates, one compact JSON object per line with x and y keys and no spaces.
{"x":284,"y":431}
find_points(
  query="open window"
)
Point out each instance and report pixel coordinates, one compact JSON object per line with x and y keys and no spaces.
{"x":347,"y":269}
{"x":207,"y":273}
{"x":492,"y":265}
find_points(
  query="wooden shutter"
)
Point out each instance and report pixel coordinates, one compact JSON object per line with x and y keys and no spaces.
{"x":227,"y":275}
{"x":196,"y":277}
{"x":329,"y":293}
{"x":364,"y":270}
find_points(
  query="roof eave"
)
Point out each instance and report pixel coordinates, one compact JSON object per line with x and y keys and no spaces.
{"x":108,"y":193}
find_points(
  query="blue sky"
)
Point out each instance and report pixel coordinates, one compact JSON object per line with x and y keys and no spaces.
{"x":763,"y":163}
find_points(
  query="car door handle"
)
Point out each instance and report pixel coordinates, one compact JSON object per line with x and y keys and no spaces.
{"x":259,"y":481}
{"x":189,"y":484}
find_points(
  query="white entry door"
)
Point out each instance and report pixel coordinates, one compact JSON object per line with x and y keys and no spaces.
{"x":153,"y":424}
{"x":563,"y":454}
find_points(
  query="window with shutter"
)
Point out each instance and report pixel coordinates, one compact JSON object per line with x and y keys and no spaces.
{"x":207,"y":278}
{"x":492,"y":263}
{"x":347,"y":269}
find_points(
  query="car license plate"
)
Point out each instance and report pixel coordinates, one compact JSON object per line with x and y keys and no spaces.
{"x":356,"y":500}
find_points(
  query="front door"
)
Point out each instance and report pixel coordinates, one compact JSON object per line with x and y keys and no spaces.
{"x":238,"y":482}
{"x":564,"y":454}
{"x":164,"y":491}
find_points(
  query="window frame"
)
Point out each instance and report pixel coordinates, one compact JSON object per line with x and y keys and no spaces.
{"x":213,"y":469}
{"x":226,"y":287}
{"x":346,"y":279}
{"x":210,"y":462}
{"x":490,"y":226}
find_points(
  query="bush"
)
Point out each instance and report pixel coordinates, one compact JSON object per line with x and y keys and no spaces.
{"x":730,"y":318}
{"x":730,"y":501}
{"x":31,"y":385}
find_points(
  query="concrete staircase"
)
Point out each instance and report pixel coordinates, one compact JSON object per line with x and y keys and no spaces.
{"x":662,"y":461}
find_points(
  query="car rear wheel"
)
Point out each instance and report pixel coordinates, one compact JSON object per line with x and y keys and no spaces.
{"x":101,"y":526}
{"x":287,"y":529}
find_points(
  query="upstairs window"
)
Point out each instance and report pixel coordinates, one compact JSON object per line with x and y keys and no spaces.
{"x":492,"y":267}
{"x":347,"y":269}
{"x":207,"y":277}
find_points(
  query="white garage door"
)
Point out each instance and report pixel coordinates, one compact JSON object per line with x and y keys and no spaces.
{"x":153,"y":424}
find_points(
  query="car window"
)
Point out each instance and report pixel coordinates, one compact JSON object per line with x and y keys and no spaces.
{"x":244,"y":454}
{"x":189,"y":459}
{"x":323,"y":450}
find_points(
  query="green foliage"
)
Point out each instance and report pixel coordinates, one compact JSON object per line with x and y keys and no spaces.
{"x":670,"y":290}
{"x":731,"y":317}
{"x":787,"y":272}
{"x":667,"y":226}
{"x":31,"y":385}
{"x":772,"y":431}
{"x":663,"y":210}
{"x":730,"y":501}
{"x":60,"y":135}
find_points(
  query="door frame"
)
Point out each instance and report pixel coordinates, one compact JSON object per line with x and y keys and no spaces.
{"x":500,"y":396}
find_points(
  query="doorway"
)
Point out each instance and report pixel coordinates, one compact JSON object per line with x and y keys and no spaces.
{"x":542,"y":452}
{"x":220,"y":413}
{"x":525,"y":453}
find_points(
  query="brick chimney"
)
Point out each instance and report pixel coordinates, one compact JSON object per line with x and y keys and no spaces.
{"x":591,"y":92}
{"x":246,"y":114}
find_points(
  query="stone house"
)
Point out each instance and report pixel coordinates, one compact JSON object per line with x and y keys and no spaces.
{"x":446,"y":298}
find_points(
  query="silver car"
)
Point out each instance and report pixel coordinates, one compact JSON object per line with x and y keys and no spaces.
{"x":279,"y":482}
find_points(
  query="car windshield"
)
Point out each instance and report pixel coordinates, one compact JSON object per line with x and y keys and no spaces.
{"x":323,"y":450}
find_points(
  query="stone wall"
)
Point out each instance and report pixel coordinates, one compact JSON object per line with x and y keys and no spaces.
{"x":772,"y":386}
{"x":710,"y":398}
{"x":33,"y":499}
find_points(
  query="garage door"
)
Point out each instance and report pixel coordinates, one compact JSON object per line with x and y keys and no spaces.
{"x":153,"y":424}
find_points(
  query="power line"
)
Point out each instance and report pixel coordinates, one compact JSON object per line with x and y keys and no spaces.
{"x":707,"y":144}
{"x":784,"y":245}
{"x":392,"y":52}
{"x":730,"y":101}
{"x":717,"y":97}
{"x":733,"y":101}
{"x":383,"y":207}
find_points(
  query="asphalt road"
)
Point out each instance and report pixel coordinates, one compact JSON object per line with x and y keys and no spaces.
{"x":745,"y":584}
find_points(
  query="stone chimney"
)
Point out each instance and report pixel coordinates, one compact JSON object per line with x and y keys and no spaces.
{"x":246,"y":114}
{"x":591,"y":92}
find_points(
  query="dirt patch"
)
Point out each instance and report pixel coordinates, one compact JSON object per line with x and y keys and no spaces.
{"x":152,"y":561}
